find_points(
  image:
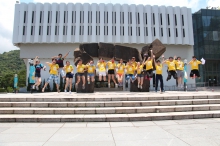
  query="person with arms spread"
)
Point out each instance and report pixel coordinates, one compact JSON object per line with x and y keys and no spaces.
{"x":194,"y":68}
{"x":149,"y":66}
{"x":130,"y":72}
{"x":38,"y":66}
{"x":69,"y":76}
{"x":59,"y":61}
{"x":53,"y":74}
{"x":180,"y":72}
{"x":171,"y":68}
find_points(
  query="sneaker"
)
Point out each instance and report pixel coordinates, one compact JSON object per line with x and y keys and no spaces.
{"x":70,"y":92}
{"x":37,"y":88}
{"x":88,"y":82}
{"x":42,"y":89}
{"x":109,"y":86}
{"x":140,"y":87}
{"x":33,"y":87}
{"x":116,"y":85}
{"x":83,"y":86}
{"x":58,"y":90}
{"x":65,"y":91}
{"x":76,"y":85}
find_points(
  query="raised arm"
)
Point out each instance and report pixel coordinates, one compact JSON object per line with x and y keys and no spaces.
{"x":163,"y":59}
{"x":174,"y":57}
{"x":154,"y":60}
{"x":190,"y":62}
{"x":48,"y":63}
{"x":35,"y":59}
{"x":151,"y":54}
{"x":66,"y":54}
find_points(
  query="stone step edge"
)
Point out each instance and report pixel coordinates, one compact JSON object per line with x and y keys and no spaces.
{"x":59,"y":99}
{"x":116,"y":110}
{"x":110,"y":117}
{"x":103,"y":103}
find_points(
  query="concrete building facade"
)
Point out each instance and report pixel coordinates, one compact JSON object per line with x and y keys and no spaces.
{"x":46,"y":30}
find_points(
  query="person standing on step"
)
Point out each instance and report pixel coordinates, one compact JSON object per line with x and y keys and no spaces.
{"x":111,"y":72}
{"x":101,"y":64}
{"x":59,"y":60}
{"x":120,"y":73}
{"x":159,"y":72}
{"x":149,"y":66}
{"x":54,"y":67}
{"x":194,"y":68}
{"x":80,"y":73}
{"x":130,"y":72}
{"x":140,"y":75}
{"x":38,"y":66}
{"x":91,"y":71}
{"x":171,"y":68}
{"x":180,"y":72}
{"x":69,"y":76}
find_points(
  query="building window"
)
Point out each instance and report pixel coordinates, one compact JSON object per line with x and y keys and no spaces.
{"x":32,"y":17}
{"x":41,"y":16}
{"x":154,"y":32}
{"x":168,"y":18}
{"x":123,"y":30}
{"x":63,"y":30}
{"x":138,"y":16}
{"x":55,"y":30}
{"x":130,"y":18}
{"x":39,"y":30}
{"x":153,"y":19}
{"x":25,"y":16}
{"x":115,"y":30}
{"x":139,"y":33}
{"x":183,"y":32}
{"x":107,"y":17}
{"x":123,"y":17}
{"x":104,"y":17}
{"x":107,"y":30}
{"x":131,"y":31}
{"x":47,"y":30}
{"x":169,"y":32}
{"x":56,"y":16}
{"x":23,"y":30}
{"x":176,"y":33}
{"x":161,"y":22}
{"x":115,"y":17}
{"x":32,"y":30}
{"x":161,"y":31}
{"x":48,"y":19}
{"x":71,"y":30}
{"x":146,"y":31}
{"x":104,"y":30}
{"x":146,"y":18}
{"x":175,"y":20}
{"x":80,"y":30}
{"x":182,"y":20}
{"x":64,"y":18}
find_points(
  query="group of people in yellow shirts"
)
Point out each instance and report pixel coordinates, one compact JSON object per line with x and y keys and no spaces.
{"x":132,"y":70}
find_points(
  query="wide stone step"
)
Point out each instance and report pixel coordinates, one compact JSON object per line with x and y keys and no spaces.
{"x":111,"y":110}
{"x":110,"y":117}
{"x":111,"y":103}
{"x":134,"y":97}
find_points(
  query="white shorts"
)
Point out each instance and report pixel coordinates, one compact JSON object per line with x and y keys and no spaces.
{"x":102,"y":73}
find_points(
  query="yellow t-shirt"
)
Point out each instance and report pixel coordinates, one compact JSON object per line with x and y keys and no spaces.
{"x":149,"y":65}
{"x":179,"y":65}
{"x":111,"y":65}
{"x":134,"y":64}
{"x":54,"y":69}
{"x":130,"y":69}
{"x":159,"y":69}
{"x":121,"y":68}
{"x":139,"y":69}
{"x":68,"y":68}
{"x":91,"y":68}
{"x":171,"y":65}
{"x":80,"y":68}
{"x":101,"y":66}
{"x":195,"y":64}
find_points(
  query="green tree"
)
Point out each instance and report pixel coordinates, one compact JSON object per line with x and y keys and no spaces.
{"x":7,"y":80}
{"x":22,"y":78}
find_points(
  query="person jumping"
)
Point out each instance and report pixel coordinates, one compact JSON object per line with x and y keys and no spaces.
{"x":38,"y":66}
{"x":111,"y":72}
{"x":159,"y":72}
{"x":194,"y":68}
{"x":91,"y":71}
{"x":69,"y":76}
{"x":80,"y":73}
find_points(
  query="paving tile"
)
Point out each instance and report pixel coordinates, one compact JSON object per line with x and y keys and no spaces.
{"x":35,"y":143}
{"x":80,"y":143}
{"x":165,"y":122}
{"x":75,"y":124}
{"x":98,"y":124}
{"x":143,"y":124}
{"x":121,"y":124}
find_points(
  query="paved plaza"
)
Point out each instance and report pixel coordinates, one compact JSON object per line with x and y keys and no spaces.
{"x":200,"y":132}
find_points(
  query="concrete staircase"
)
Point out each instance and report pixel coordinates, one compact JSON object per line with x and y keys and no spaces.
{"x":108,"y":106}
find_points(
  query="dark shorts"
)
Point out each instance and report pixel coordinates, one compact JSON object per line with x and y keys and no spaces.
{"x":172,"y":72}
{"x":38,"y":75}
{"x":149,"y":71}
{"x":80,"y":74}
{"x":90,"y":75}
{"x":111,"y":71}
{"x":140,"y":75}
{"x":69,"y":75}
{"x":196,"y":72}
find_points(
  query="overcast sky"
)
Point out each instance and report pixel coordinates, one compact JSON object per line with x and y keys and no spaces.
{"x":7,"y":12}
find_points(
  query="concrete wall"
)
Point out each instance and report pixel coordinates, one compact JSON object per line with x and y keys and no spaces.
{"x":46,"y":51}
